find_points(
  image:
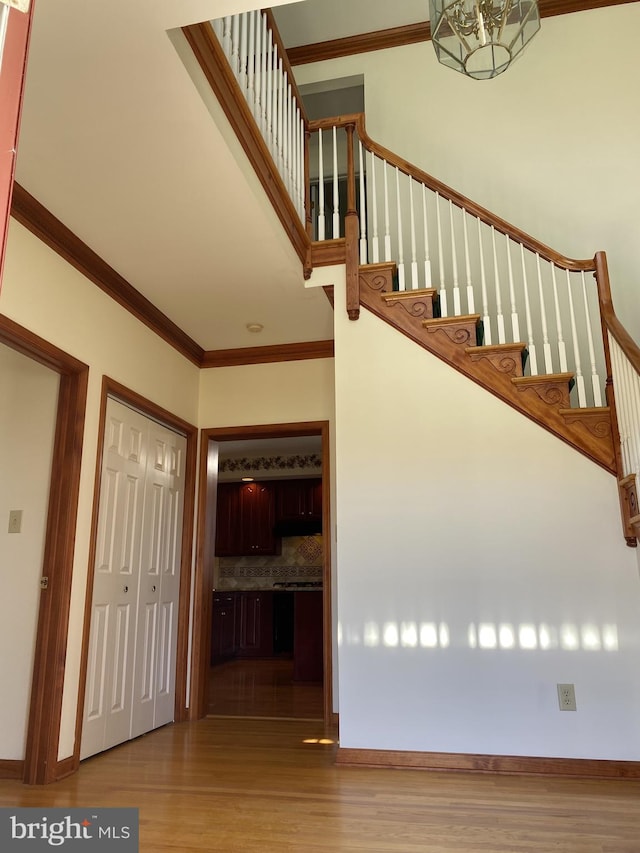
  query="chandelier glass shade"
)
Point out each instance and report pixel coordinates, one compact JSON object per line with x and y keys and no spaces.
{"x":481,"y":38}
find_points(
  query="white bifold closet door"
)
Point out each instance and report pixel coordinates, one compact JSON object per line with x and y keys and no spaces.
{"x":132,"y":644}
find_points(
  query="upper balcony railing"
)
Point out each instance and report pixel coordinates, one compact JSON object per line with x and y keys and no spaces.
{"x":258,"y":60}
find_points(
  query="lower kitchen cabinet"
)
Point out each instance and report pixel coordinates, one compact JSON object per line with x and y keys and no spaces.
{"x":307,"y":636}
{"x":255,"y":624}
{"x":223,"y":628}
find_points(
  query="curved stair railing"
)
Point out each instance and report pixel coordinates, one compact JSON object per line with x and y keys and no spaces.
{"x":532,"y":326}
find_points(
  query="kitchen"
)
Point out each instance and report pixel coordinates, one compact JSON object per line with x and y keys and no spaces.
{"x":267,"y":637}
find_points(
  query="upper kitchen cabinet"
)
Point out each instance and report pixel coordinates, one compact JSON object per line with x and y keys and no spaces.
{"x":299,"y":499}
{"x":245,"y":520}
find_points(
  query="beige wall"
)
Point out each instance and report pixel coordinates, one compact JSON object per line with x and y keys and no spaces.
{"x":286,"y":392}
{"x":29,"y":397}
{"x":43,"y":293}
{"x":551,"y":145}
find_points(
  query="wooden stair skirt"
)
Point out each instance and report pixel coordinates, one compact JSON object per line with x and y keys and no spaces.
{"x":497,"y":368}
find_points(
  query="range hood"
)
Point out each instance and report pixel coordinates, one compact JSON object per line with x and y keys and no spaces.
{"x":298,"y":527}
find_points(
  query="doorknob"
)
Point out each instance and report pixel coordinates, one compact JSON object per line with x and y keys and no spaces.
{"x":125,"y":589}
{"x":153,"y":588}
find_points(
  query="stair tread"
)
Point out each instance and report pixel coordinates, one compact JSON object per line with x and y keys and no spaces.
{"x":398,"y":295}
{"x":488,"y":348}
{"x":542,"y":379}
{"x":585,"y":410}
{"x":451,"y":321}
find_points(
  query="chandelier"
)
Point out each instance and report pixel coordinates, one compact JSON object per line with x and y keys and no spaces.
{"x":481,"y":38}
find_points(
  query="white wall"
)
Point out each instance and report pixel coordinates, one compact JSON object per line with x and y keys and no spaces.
{"x":481,"y":562}
{"x":47,"y":296}
{"x":551,"y":145}
{"x":29,"y":394}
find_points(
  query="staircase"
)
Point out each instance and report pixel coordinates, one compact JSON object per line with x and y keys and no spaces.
{"x":498,"y":368}
{"x":573,"y":369}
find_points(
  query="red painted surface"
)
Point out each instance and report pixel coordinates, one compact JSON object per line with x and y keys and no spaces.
{"x":12,"y":76}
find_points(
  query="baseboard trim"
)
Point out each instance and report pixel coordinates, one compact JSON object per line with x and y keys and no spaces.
{"x":11,"y":769}
{"x":66,"y":767}
{"x":507,"y":764}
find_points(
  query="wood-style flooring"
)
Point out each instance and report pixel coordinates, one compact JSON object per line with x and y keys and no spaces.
{"x":262,"y":688}
{"x":265,"y":786}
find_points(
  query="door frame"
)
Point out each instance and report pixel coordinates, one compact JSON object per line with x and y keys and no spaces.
{"x":205,"y":548}
{"x":41,"y":763}
{"x":111,"y":388}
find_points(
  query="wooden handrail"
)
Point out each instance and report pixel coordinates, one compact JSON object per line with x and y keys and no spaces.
{"x":282,"y":52}
{"x":452,"y":195}
{"x":624,"y":340}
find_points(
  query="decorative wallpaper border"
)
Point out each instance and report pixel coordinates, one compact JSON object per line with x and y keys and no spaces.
{"x":312,"y":461}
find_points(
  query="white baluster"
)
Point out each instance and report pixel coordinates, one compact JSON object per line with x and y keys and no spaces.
{"x":633,"y":407}
{"x":624,"y":403}
{"x":235,"y":46}
{"x":288,"y":147}
{"x":282,"y":88}
{"x":582,"y":396}
{"x":244,"y":38}
{"x":387,"y":232}
{"x":321,"y":214}
{"x":363,"y":209}
{"x":415,"y":284}
{"x":217,"y":24}
{"x":533,"y":358}
{"x":486,"y":320}
{"x":226,"y":37}
{"x":265,"y":48}
{"x":457,"y":310}
{"x":443,"y":292}
{"x":548,"y":363}
{"x":401,"y":280}
{"x":427,"y":260}
{"x":562,"y":349}
{"x":467,"y":262}
{"x":336,"y":194}
{"x":269,"y":130}
{"x":595,"y":379}
{"x":274,"y":104}
{"x":375,"y":245}
{"x":253,"y":80}
{"x":515,"y":322}
{"x":502,"y":338}
{"x":257,"y":70}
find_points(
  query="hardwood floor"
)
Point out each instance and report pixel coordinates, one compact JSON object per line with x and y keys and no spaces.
{"x":262,"y":688}
{"x":261,"y":786}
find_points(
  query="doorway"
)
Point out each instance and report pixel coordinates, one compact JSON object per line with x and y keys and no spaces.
{"x":256,"y":669}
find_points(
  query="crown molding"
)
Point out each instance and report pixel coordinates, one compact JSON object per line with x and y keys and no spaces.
{"x":411,"y":33}
{"x":267,"y":354}
{"x":28,"y":211}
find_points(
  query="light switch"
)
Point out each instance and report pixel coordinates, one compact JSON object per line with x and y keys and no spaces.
{"x":15,"y":521}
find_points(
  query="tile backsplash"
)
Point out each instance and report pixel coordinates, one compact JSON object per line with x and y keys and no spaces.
{"x":300,"y":560}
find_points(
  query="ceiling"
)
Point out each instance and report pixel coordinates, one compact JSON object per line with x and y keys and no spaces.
{"x":117,"y":143}
{"x":122,"y":142}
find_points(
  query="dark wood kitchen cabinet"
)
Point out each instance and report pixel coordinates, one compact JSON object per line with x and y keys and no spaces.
{"x":255,"y":624}
{"x":298,"y":499}
{"x":245,"y":519}
{"x":308,"y":636}
{"x":223,"y":627}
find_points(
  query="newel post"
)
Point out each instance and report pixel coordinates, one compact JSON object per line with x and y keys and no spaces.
{"x":352,"y":233}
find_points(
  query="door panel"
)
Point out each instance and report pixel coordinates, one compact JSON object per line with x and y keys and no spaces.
{"x":131,"y":667}
{"x":116,"y":579}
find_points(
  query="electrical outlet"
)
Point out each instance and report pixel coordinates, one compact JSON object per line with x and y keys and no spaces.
{"x":15,"y":521}
{"x":567,"y":697}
